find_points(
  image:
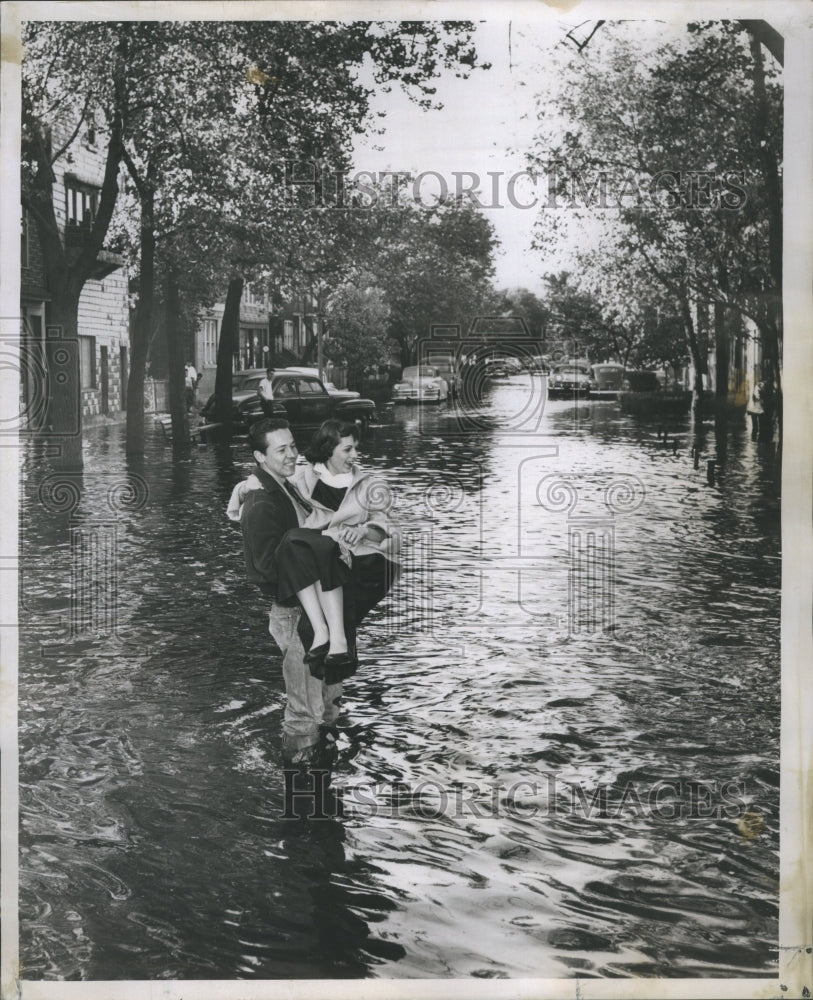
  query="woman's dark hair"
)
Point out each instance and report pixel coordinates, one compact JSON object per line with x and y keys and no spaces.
{"x":327,"y":437}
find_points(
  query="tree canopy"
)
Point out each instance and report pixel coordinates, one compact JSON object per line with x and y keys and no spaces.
{"x":357,"y":320}
{"x":435,"y":264}
{"x":204,"y":115}
{"x":671,"y":152}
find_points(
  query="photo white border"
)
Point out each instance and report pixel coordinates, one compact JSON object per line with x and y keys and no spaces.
{"x":794,"y":19}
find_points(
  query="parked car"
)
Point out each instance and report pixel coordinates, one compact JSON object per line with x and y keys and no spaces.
{"x":536,"y":364}
{"x":243,"y":387}
{"x":502,"y":367}
{"x":449,"y":373}
{"x":301,"y":399}
{"x":570,"y":379}
{"x":607,"y":380}
{"x":331,"y":388}
{"x":640,"y":381}
{"x":494,"y":368}
{"x":239,"y":378}
{"x":420,"y":384}
{"x":643,"y":395}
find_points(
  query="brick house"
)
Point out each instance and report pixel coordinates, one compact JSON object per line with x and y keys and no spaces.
{"x":104,"y":336}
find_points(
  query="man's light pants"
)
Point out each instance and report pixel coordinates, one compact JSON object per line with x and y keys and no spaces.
{"x":310,"y":702}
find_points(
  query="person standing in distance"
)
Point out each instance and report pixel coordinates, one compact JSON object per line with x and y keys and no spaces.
{"x":265,"y":390}
{"x":191,"y":379}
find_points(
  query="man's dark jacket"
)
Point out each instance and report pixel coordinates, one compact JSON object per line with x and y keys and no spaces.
{"x":267,"y":514}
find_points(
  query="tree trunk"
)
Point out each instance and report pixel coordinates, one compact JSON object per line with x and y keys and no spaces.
{"x":771,"y":395}
{"x":320,"y":336}
{"x":64,"y":391}
{"x":697,"y":395}
{"x":157,"y":356}
{"x":721,"y":364}
{"x":771,"y":332}
{"x":227,"y":347}
{"x":768,"y":36}
{"x":139,"y":343}
{"x":141,"y":331}
{"x":173,"y":334}
{"x":698,"y":359}
{"x":777,"y":387}
{"x":721,"y":354}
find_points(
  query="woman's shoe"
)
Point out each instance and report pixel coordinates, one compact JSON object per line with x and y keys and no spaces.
{"x":339,"y":667}
{"x":317,"y":653}
{"x":338,"y":659}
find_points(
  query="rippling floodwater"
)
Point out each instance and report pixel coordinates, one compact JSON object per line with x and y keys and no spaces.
{"x":525,"y":792}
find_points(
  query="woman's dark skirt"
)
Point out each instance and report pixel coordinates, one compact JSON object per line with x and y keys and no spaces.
{"x":370,"y":579}
{"x":305,"y":556}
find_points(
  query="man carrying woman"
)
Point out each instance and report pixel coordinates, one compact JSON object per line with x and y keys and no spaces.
{"x":317,"y":538}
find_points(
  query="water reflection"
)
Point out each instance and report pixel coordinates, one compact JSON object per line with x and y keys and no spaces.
{"x":542,"y":843}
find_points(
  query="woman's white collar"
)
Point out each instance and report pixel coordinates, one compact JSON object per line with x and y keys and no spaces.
{"x":330,"y":479}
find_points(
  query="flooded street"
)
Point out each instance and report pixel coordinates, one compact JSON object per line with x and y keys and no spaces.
{"x":559,"y":756}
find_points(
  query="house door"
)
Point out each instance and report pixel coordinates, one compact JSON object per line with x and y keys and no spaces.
{"x":103,"y":376}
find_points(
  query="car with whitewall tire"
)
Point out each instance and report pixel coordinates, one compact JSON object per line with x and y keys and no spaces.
{"x":420,"y":384}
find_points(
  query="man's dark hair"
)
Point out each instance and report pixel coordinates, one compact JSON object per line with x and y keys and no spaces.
{"x":269,"y":371}
{"x":258,"y":430}
{"x":327,"y":437}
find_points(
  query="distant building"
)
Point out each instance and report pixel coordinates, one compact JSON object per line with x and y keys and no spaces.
{"x":734,"y":361}
{"x":268,"y":333}
{"x":104,"y":336}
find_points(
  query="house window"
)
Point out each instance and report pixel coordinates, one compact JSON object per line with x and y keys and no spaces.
{"x":288,"y":334}
{"x":209,"y":342}
{"x":87,"y":362}
{"x":82,"y":203}
{"x":24,"y":239}
{"x":253,"y":297}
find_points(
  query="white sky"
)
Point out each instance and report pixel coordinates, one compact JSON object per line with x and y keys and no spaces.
{"x":487,"y":123}
{"x":483,"y":119}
